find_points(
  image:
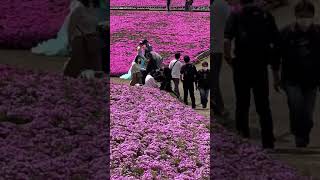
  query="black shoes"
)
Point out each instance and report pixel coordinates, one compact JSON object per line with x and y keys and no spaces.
{"x":302,"y":141}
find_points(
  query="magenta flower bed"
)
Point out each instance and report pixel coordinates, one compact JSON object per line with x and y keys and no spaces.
{"x":174,"y":3}
{"x":24,"y":23}
{"x":51,"y":127}
{"x":188,"y":33}
{"x":153,"y":136}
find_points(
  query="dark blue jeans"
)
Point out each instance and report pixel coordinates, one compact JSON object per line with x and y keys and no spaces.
{"x":245,"y":81}
{"x":204,"y":93}
{"x":301,"y":102}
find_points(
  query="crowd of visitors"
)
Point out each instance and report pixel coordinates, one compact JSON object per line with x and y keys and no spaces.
{"x":292,"y":53}
{"x":148,"y":70}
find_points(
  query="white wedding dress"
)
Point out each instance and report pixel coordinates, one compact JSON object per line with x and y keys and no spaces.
{"x":58,"y":46}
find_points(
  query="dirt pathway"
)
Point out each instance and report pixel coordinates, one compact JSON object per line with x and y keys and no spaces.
{"x":199,"y":109}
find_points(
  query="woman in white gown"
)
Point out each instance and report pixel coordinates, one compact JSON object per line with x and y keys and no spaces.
{"x":140,"y":52}
{"x":58,"y":46}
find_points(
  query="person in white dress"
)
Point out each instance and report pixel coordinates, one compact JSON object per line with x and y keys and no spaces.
{"x":140,"y":53}
{"x":58,"y":46}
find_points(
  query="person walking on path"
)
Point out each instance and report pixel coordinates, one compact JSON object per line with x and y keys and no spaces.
{"x":300,"y":75}
{"x":188,"y":77}
{"x":168,"y":4}
{"x":175,"y":66}
{"x":220,"y":13}
{"x":203,"y":83}
{"x":188,"y":5}
{"x":256,"y":37}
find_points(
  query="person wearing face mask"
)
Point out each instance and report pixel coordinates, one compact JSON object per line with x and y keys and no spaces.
{"x":256,"y":36}
{"x":203,"y":83}
{"x":300,"y":65}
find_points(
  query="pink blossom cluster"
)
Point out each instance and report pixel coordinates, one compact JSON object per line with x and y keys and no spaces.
{"x":174,"y":3}
{"x":24,"y":23}
{"x":154,"y":136}
{"x":168,"y":33}
{"x":52,"y":127}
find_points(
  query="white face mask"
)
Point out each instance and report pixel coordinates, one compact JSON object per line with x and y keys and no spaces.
{"x":205,"y":68}
{"x":305,"y":22}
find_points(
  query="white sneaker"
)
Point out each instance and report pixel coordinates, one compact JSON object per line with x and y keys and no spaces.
{"x":88,"y":74}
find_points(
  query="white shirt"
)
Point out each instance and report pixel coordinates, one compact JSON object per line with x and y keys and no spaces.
{"x":150,"y":82}
{"x":175,"y":73}
{"x":220,"y":13}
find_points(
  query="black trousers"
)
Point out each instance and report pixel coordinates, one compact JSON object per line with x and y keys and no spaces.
{"x":245,"y":80}
{"x":188,"y":87}
{"x":217,"y":103}
{"x":144,"y":75}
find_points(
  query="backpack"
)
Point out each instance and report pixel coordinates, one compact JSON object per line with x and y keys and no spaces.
{"x":189,"y":73}
{"x":204,"y":79}
{"x":254,"y":34}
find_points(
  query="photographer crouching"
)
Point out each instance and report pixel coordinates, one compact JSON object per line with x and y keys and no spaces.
{"x":85,"y":40}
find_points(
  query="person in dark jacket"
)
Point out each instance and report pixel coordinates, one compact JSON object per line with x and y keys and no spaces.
{"x":148,"y":49}
{"x":256,"y":36}
{"x":300,"y":65}
{"x":188,"y":77}
{"x":151,"y":65}
{"x":203,"y":83}
{"x":168,"y":4}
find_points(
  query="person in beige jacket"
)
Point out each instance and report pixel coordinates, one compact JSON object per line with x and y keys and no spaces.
{"x":84,"y":41}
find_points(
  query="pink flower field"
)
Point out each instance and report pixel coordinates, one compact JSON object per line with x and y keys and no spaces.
{"x":174,"y":3}
{"x":24,"y":23}
{"x":154,"y":136}
{"x":188,"y":33}
{"x":52,"y":127}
